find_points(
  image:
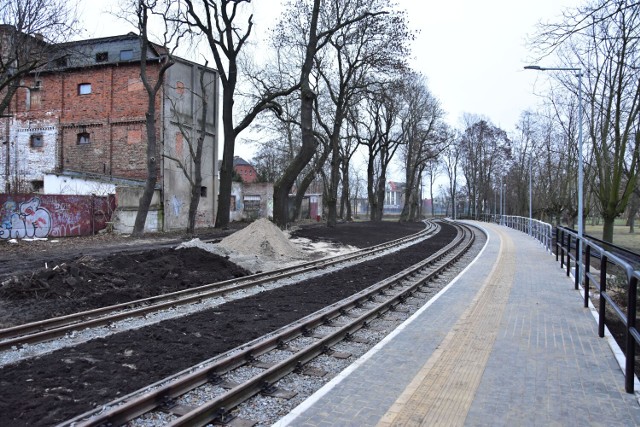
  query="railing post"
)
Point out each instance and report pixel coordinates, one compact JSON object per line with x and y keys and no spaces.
{"x":578,"y":263}
{"x":631,"y":342}
{"x":568,"y":251}
{"x":559,"y":242}
{"x":585,"y":282}
{"x":603,"y":289}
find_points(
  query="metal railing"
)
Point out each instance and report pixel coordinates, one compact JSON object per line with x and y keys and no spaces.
{"x":567,"y":245}
{"x":566,"y":251}
{"x":539,"y":230}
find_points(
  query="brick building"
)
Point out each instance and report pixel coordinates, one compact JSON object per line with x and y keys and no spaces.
{"x":80,"y":123}
{"x":245,"y":170}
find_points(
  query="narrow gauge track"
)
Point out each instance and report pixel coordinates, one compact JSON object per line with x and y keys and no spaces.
{"x":45,"y":330}
{"x":345,"y":318}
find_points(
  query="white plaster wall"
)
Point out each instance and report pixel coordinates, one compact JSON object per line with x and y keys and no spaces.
{"x":123,"y":221}
{"x":58,"y":184}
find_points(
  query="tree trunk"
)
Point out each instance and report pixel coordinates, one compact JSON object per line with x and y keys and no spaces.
{"x":634,"y":203}
{"x":308,"y":148}
{"x":197,"y":180}
{"x":306,"y":182}
{"x":345,"y":204}
{"x":371,"y":187}
{"x":380,"y":194}
{"x":226,"y":169}
{"x":607,"y":229}
{"x":152,"y":170}
{"x":332,"y":199}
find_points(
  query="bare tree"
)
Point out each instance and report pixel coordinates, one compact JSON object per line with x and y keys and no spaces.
{"x":358,"y":57}
{"x":191,"y":165}
{"x":316,"y":37}
{"x":602,"y":38}
{"x":30,"y":34}
{"x":451,"y":161}
{"x":216,"y":21}
{"x":375,"y":125}
{"x":422,"y":133}
{"x":152,"y":77}
{"x":486,"y":151}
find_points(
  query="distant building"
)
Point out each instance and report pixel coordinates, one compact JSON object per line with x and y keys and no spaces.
{"x":394,"y":198}
{"x":77,"y":126}
{"x":245,"y":170}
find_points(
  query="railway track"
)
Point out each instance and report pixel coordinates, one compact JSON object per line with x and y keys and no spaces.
{"x":290,"y":349}
{"x":49,"y":329}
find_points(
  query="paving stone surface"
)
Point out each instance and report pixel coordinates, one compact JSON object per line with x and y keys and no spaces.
{"x":539,"y":360}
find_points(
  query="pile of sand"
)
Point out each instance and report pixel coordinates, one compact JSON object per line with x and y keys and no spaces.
{"x":264,"y":239}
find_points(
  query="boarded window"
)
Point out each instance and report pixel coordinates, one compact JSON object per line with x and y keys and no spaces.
{"x":179,"y":144}
{"x":180,"y":88}
{"x":35,"y":99}
{"x":36,"y":141}
{"x":126,"y":55}
{"x":135,"y":84}
{"x":134,"y":136}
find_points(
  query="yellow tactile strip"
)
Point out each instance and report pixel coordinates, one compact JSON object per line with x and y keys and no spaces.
{"x":442,"y":392}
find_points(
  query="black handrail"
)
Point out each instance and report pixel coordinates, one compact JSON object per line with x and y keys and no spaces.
{"x":566,"y":240}
{"x":592,"y":250}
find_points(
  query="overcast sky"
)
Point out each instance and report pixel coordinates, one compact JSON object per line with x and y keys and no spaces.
{"x":472,"y":52}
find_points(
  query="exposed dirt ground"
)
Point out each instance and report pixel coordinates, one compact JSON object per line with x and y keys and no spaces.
{"x":52,"y":388}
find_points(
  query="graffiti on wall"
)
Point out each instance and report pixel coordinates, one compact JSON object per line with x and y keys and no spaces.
{"x":28,"y":216}
{"x":24,"y":220}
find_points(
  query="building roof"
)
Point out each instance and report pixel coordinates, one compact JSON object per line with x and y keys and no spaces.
{"x":101,"y":51}
{"x":239,"y":161}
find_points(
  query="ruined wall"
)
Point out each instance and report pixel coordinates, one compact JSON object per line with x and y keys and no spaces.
{"x":182,"y":125}
{"x":38,"y":216}
{"x":28,"y":154}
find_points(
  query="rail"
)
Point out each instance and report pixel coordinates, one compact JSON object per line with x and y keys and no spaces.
{"x":612,"y":266}
{"x":47,"y":329}
{"x":384,"y":296}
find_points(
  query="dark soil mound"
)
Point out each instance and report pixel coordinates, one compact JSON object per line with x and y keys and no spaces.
{"x":86,"y":283}
{"x":48,"y":389}
{"x":359,"y":234}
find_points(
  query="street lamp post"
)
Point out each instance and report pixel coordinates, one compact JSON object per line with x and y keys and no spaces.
{"x":578,"y":74}
{"x":501,"y":212}
{"x":530,"y":203}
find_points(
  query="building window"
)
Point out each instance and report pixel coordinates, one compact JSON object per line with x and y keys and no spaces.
{"x":102,"y":56}
{"x":84,"y":88}
{"x":37,"y":185}
{"x":36,"y":141}
{"x":126,"y":55}
{"x":232,"y":204}
{"x":61,"y":62}
{"x":83,"y":138}
{"x":251,"y":203}
{"x":203,"y":191}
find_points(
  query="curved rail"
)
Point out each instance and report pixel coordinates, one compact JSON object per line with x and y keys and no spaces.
{"x":385,"y":296}
{"x":40,"y":331}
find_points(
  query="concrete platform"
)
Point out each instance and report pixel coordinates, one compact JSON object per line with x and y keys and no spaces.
{"x":506,"y":343}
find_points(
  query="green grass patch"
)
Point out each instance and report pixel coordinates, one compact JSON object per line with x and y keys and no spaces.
{"x":621,"y":235}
